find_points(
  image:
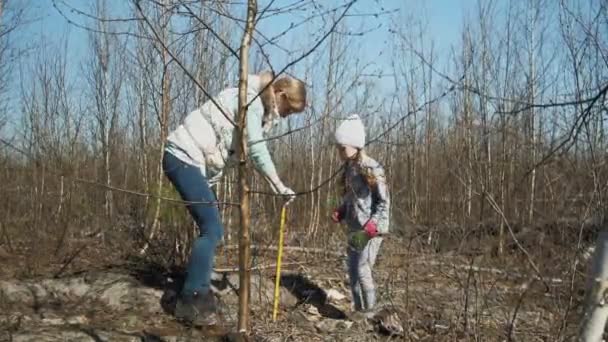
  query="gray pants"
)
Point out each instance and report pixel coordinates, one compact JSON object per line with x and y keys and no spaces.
{"x":360,"y":265}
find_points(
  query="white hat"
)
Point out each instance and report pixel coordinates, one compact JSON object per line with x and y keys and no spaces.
{"x":351,"y":132}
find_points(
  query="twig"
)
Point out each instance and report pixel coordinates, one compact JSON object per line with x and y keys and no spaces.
{"x":289,"y":248}
{"x":256,"y":268}
{"x":516,"y":310}
{"x":113,"y":188}
{"x":499,"y":211}
{"x":69,"y":260}
{"x":182,"y":66}
{"x":496,"y":271}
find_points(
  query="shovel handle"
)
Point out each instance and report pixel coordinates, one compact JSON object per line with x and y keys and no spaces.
{"x":277,"y":279}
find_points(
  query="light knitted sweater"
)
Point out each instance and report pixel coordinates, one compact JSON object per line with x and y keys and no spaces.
{"x":206,"y":136}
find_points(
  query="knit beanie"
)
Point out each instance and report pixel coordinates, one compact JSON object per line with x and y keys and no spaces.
{"x":351,"y":132}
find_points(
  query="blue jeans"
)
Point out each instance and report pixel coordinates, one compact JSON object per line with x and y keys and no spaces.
{"x":192,"y":186}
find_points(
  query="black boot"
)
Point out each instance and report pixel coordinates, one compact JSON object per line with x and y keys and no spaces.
{"x":196,"y":309}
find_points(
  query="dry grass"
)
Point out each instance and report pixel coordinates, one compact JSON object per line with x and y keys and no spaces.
{"x":446,"y":291}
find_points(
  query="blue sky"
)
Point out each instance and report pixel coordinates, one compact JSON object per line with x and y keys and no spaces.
{"x":443,"y":17}
{"x":443,"y":20}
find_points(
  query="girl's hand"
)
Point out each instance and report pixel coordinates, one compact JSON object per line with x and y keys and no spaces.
{"x":371,"y":228}
{"x":358,"y":240}
{"x":336,"y":216}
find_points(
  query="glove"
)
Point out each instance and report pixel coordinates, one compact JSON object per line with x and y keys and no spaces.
{"x":215,"y":178}
{"x":358,"y":240}
{"x":279,"y":188}
{"x":288,"y":193}
{"x":371,"y":228}
{"x":336,"y":216}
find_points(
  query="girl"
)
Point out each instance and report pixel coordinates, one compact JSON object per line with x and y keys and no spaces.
{"x":364,"y":209}
{"x":196,"y":153}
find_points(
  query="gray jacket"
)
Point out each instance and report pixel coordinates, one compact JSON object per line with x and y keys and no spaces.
{"x":362,"y":202}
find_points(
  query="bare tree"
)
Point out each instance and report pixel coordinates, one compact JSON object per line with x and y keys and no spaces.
{"x":244,"y":234}
{"x":12,"y":17}
{"x":165,"y":109}
{"x":106,"y":81}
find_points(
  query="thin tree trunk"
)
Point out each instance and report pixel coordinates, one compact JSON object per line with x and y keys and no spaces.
{"x":532,"y":98}
{"x":245,"y":210}
{"x":165,"y":109}
{"x":411,"y":103}
{"x":104,"y":59}
{"x":503,"y":187}
{"x":163,"y":123}
{"x":467,"y":122}
{"x":429,"y":140}
{"x":313,"y":167}
{"x":143,"y":138}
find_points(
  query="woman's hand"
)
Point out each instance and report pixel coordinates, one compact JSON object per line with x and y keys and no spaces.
{"x":288,"y":193}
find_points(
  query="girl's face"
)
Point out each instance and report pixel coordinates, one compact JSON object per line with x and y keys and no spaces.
{"x":346,"y":152}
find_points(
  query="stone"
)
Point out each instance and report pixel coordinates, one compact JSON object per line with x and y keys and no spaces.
{"x":333,"y":325}
{"x":335,"y":297}
{"x":262,"y":291}
{"x":388,"y":322}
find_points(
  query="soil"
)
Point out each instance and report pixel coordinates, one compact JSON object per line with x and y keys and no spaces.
{"x":451,"y":294}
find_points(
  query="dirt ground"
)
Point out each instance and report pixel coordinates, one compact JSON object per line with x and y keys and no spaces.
{"x":459,"y":293}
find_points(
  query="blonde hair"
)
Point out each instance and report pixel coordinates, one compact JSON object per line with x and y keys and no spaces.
{"x":366,"y":172}
{"x":294,"y":90}
{"x":269,"y":101}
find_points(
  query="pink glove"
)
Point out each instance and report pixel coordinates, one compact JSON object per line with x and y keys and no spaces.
{"x":371,"y":228}
{"x":336,"y":216}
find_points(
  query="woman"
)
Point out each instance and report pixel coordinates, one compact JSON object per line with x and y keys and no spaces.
{"x":200,"y":148}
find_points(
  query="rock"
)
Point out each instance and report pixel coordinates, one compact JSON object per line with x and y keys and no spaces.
{"x":334,"y":296}
{"x":123,"y":294}
{"x":52,"y":334}
{"x":51,"y":318}
{"x":262,"y":291}
{"x":77,"y":320}
{"x":312,"y":311}
{"x":87,"y":334}
{"x":116,"y":290}
{"x":333,"y":325}
{"x":357,"y":317}
{"x":19,"y":293}
{"x":53,"y":321}
{"x":303,"y":320}
{"x":388,"y":322}
{"x":130,"y":320}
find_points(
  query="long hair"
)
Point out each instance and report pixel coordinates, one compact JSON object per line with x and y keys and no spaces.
{"x":364,"y":171}
{"x":269,"y":101}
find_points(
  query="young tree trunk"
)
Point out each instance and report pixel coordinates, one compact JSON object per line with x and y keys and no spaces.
{"x":427,"y":84}
{"x":164,"y":123}
{"x":533,"y":16}
{"x":311,"y":226}
{"x":163,"y":120}
{"x":244,"y":237}
{"x":143,"y":139}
